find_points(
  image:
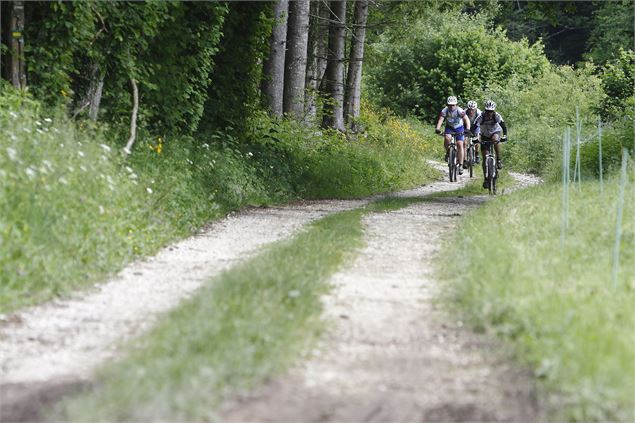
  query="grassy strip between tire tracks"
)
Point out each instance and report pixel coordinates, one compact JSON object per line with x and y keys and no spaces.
{"x":247,"y":324}
{"x":555,"y":305}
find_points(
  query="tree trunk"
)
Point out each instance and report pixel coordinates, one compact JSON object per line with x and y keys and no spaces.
{"x":333,"y":82}
{"x":273,"y":83}
{"x":17,"y":68}
{"x":356,"y":60}
{"x":297,"y":37}
{"x":133,"y":119}
{"x":92,"y":98}
{"x":318,"y":42}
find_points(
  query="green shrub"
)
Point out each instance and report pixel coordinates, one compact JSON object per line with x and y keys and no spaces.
{"x":455,"y":55}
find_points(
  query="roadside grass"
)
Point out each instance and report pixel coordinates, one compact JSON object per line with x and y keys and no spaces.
{"x":243,"y":326}
{"x":554,"y":305}
{"x":73,"y":210}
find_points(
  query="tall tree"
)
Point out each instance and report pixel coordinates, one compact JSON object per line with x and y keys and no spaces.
{"x":333,"y":82}
{"x":17,"y":68}
{"x":294,"y":77}
{"x":273,"y":82}
{"x":317,"y":51}
{"x":356,"y":59}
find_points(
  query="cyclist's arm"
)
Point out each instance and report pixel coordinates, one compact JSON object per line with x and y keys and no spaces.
{"x":504,"y":126}
{"x":466,"y":122}
{"x":439,"y":121}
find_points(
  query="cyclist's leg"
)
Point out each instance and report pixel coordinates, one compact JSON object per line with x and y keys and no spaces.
{"x":460,"y":145}
{"x":497,"y":149}
{"x":460,"y":155}
{"x":446,"y":144}
{"x":477,"y":146}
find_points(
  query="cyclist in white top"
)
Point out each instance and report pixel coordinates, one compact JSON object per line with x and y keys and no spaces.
{"x":491,"y":124}
{"x":472,"y":113}
{"x":455,"y":122}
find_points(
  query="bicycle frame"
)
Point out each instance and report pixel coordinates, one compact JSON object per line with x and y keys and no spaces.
{"x":470,"y":153}
{"x":490,"y":172}
{"x":452,"y":156}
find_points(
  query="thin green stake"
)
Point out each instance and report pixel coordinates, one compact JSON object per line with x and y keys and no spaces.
{"x":600,"y":155}
{"x":618,"y":223}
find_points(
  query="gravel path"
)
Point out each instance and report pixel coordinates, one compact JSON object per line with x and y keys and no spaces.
{"x":56,"y":346}
{"x":393,"y":355}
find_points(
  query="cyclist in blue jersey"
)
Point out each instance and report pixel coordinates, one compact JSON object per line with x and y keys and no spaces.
{"x":456,"y":122}
{"x":472,"y":113}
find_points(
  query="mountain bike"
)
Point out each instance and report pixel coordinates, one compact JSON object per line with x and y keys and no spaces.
{"x":453,"y":157}
{"x":470,"y":153}
{"x":489,"y":164}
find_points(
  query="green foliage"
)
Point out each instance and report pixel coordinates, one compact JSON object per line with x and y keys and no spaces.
{"x":612,"y":30}
{"x":448,"y":55}
{"x":555,"y":304}
{"x":564,"y":26}
{"x":538,"y":113}
{"x":74,"y":210}
{"x":618,"y":84}
{"x":182,"y":57}
{"x":313,"y":163}
{"x":56,"y":33}
{"x":234,"y":93}
{"x":168,"y":47}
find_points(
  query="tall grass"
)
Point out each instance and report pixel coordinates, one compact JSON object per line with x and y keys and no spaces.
{"x":73,"y":209}
{"x":555,"y":304}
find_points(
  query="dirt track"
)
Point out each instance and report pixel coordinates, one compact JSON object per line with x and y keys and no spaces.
{"x":391,"y":357}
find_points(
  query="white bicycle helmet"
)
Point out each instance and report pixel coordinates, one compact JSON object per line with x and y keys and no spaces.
{"x":452,"y":101}
{"x":490,"y":105}
{"x":471,"y":104}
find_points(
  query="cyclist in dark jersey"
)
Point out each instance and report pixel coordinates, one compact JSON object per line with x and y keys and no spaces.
{"x":491,"y":124}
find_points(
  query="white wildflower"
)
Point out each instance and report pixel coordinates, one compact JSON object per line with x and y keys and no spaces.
{"x":105,"y":147}
{"x":13,"y":114}
{"x":38,"y":123}
{"x":39,"y":131}
{"x":30,"y":172}
{"x":71,"y":169}
{"x":48,"y":120}
{"x":81,"y":153}
{"x":133,"y":176}
{"x":149,"y":190}
{"x":206,"y":145}
{"x":62,"y":180}
{"x":83,"y":168}
{"x":129,"y":169}
{"x":250,"y":154}
{"x":62,"y":145}
{"x":13,"y":155}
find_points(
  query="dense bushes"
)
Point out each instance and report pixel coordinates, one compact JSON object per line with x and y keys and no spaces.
{"x":448,"y":55}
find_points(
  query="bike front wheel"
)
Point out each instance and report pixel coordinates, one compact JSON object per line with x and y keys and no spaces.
{"x":490,"y":168}
{"x":452,"y":165}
